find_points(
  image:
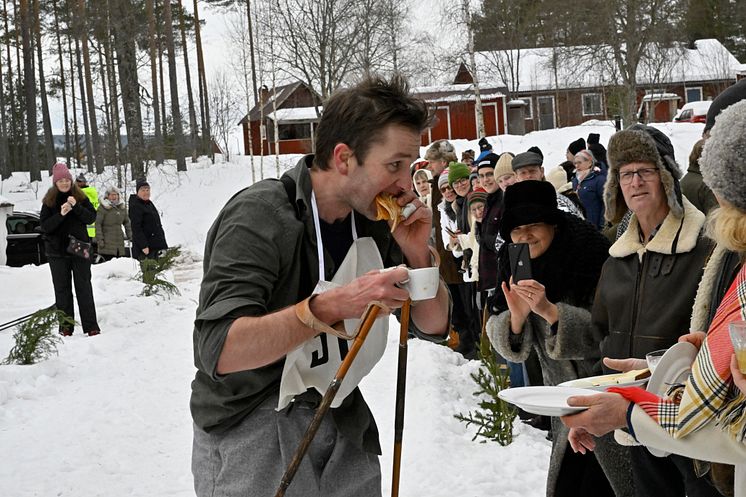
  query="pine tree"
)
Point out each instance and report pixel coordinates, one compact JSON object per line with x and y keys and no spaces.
{"x":494,"y":417}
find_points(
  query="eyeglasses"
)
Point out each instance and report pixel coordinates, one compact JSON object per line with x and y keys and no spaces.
{"x":645,"y":174}
{"x":460,"y":182}
{"x":487,"y":175}
{"x":445,"y":189}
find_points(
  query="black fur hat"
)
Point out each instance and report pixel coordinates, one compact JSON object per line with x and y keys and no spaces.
{"x":484,"y":144}
{"x":640,"y":143}
{"x":528,"y":202}
{"x":576,"y":146}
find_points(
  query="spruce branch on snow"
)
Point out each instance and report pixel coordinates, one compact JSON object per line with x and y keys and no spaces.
{"x":36,"y":338}
{"x":151,"y":269}
{"x":494,"y":417}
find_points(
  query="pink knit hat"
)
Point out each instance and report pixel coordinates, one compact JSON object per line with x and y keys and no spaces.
{"x":60,"y":171}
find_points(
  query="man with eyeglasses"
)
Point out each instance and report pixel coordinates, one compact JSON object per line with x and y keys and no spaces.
{"x":646,"y":292}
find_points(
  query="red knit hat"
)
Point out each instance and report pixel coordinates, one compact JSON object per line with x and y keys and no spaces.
{"x":60,"y":171}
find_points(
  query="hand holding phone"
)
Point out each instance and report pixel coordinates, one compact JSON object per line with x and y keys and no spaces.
{"x":520,"y":261}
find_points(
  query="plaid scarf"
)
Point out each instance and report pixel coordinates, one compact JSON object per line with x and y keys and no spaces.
{"x":709,"y":392}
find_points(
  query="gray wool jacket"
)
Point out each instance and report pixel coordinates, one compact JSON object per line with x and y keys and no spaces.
{"x":570,"y":353}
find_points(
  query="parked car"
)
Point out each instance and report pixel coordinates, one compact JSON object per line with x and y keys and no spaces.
{"x":693,"y":112}
{"x":25,"y":245}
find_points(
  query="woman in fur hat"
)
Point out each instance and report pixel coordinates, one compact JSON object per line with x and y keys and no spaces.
{"x":544,"y":314}
{"x":110,"y":218}
{"x":647,"y":288}
{"x":706,"y":418}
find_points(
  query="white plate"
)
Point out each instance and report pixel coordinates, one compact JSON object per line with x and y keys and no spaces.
{"x":606,"y":379}
{"x":674,"y":367}
{"x":545,"y":401}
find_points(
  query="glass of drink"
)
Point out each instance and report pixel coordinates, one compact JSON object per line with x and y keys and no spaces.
{"x":653,"y":358}
{"x":737,"y":331}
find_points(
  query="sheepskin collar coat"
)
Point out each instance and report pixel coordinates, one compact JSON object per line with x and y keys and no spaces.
{"x":646,"y":291}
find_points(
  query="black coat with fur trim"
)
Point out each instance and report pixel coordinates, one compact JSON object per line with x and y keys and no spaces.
{"x":569,"y":270}
{"x":646,"y":293}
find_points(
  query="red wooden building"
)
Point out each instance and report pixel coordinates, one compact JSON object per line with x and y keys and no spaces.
{"x":557,"y":91}
{"x":455,"y":109}
{"x":296,"y":110}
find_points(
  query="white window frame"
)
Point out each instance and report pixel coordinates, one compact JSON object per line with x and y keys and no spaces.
{"x":600,"y":106}
{"x":529,"y":114}
{"x":686,"y":93}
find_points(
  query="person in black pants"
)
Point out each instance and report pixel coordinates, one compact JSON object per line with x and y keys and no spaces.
{"x":148,"y":238}
{"x":65,"y":213}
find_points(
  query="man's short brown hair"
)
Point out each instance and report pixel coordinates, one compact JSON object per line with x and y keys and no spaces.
{"x":357,"y":116}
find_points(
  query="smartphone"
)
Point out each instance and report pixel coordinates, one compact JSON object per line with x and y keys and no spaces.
{"x":520,"y":261}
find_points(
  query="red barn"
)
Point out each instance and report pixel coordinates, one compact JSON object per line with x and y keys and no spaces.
{"x":295,"y":108}
{"x":455,"y":108}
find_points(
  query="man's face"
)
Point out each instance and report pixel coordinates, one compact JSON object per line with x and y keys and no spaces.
{"x":643,"y":195}
{"x":487,"y":179}
{"x":526,"y":173}
{"x":81,"y":184}
{"x":385,"y":169}
{"x":436,"y":166}
{"x":144,"y":193}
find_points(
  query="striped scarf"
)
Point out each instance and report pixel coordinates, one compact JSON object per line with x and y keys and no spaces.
{"x":709,"y":394}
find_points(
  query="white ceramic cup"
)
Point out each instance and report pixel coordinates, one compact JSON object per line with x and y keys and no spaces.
{"x":423,"y":283}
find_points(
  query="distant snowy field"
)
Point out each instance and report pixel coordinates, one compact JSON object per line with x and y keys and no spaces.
{"x":110,"y":415}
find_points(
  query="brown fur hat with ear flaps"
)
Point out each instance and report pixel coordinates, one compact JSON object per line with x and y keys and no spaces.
{"x":640,"y":143}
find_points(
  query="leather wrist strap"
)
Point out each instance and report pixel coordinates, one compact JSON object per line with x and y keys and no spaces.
{"x":305,"y":316}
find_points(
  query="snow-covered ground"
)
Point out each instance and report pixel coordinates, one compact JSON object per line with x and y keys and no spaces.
{"x":109,"y":415}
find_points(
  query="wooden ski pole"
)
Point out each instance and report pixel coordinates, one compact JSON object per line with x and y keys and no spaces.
{"x":366,"y":323}
{"x":401,"y":385}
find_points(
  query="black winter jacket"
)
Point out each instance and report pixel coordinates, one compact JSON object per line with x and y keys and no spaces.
{"x":147,"y":231}
{"x":488,"y":231}
{"x":57,"y":228}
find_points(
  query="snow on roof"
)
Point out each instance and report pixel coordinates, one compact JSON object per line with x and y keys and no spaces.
{"x":457,"y":92}
{"x":660,"y":96}
{"x":708,"y":61}
{"x":741,"y":69}
{"x":295,"y":114}
{"x":4,"y":202}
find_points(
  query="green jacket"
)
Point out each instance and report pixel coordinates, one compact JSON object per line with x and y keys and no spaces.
{"x":92,"y":195}
{"x":109,"y":221}
{"x":256,"y":254}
